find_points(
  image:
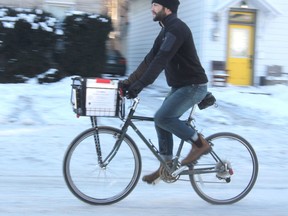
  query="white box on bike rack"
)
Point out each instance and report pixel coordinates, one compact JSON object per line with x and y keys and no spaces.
{"x":95,"y":97}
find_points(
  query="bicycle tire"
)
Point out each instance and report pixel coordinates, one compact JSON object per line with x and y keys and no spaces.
{"x":93,"y":184}
{"x":232,"y":185}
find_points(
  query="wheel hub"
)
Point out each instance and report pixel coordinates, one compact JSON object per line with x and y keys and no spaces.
{"x":224,"y":170}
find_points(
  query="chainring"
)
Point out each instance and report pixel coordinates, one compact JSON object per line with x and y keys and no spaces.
{"x":166,"y":176}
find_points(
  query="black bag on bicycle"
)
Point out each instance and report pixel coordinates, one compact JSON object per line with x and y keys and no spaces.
{"x":209,"y":100}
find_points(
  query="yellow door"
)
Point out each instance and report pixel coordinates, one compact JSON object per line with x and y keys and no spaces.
{"x":240,"y":54}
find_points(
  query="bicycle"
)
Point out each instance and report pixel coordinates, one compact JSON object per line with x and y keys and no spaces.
{"x":102,"y":165}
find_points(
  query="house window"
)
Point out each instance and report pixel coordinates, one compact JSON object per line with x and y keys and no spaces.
{"x":241,"y":17}
{"x":239,"y":44}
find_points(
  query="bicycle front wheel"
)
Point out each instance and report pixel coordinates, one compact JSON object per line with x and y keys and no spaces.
{"x":228,"y":173}
{"x":100,"y":170}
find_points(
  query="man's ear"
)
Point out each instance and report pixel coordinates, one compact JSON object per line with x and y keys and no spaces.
{"x":167,"y":11}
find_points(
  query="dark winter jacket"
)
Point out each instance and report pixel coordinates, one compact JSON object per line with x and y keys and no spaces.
{"x":173,"y":51}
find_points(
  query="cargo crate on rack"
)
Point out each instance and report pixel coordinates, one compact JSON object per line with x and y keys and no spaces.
{"x":95,"y":97}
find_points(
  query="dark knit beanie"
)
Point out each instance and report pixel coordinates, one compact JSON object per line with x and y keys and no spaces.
{"x":170,"y":4}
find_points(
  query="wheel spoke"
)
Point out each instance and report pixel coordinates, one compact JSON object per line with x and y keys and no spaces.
{"x":104,"y":183}
{"x":234,"y":172}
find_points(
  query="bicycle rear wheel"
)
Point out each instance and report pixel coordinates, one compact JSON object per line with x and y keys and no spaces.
{"x":102,"y":174}
{"x":228,"y":173}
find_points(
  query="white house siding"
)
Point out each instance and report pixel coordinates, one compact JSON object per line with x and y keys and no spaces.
{"x":272,"y":42}
{"x":270,"y":39}
{"x":143,"y":30}
{"x":21,"y":3}
{"x":271,"y":32}
{"x":215,"y":31}
{"x":192,"y":15}
{"x":197,"y":15}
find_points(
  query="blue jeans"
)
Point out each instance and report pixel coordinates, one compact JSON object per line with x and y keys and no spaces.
{"x":167,"y":121}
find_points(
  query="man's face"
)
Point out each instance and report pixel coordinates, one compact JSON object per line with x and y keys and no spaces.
{"x":158,"y":12}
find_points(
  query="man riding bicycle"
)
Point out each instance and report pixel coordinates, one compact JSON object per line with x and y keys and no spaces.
{"x":174,"y":52}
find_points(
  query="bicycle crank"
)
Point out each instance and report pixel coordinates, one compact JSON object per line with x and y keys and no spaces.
{"x":168,"y":177}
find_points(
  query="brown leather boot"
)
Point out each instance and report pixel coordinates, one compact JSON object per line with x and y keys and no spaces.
{"x":200,"y":147}
{"x":155,"y":176}
{"x":151,"y":178}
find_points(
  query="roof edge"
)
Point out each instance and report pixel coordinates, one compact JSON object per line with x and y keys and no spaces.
{"x":258,"y":4}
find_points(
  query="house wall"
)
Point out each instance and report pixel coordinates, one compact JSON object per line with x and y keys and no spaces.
{"x":214,"y":35}
{"x":21,"y":3}
{"x":141,"y":33}
{"x":143,"y":30}
{"x":210,"y":34}
{"x":271,"y":41}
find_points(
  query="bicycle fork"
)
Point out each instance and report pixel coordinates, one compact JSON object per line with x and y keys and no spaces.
{"x":103,"y":163}
{"x":97,"y":141}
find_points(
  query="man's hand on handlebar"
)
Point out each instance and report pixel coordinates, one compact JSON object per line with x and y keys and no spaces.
{"x":123,"y":88}
{"x":130,"y":91}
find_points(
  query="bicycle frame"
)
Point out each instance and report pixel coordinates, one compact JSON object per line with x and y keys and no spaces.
{"x":128,"y":122}
{"x":118,"y":146}
{"x":149,"y":144}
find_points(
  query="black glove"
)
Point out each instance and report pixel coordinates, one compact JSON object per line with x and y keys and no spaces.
{"x":135,"y":89}
{"x":123,"y":87}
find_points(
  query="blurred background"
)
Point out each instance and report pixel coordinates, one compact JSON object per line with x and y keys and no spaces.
{"x":239,"y":42}
{"x":54,"y":39}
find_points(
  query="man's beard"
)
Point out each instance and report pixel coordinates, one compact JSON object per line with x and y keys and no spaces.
{"x":160,"y":15}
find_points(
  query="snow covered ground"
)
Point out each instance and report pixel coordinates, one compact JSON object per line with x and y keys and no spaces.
{"x":37,"y":124}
